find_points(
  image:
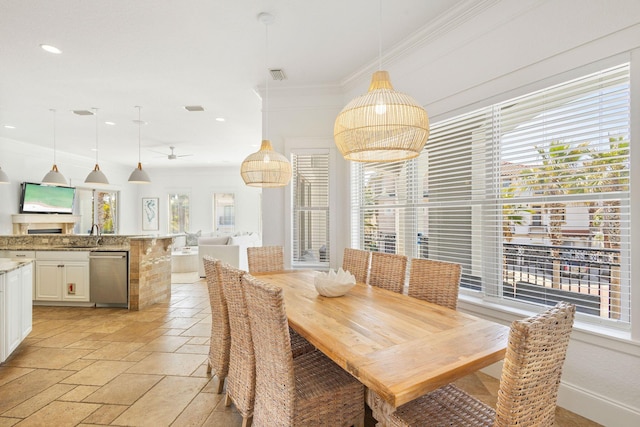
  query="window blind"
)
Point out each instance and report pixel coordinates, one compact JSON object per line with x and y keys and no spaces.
{"x":530,"y":196}
{"x":310,"y":202}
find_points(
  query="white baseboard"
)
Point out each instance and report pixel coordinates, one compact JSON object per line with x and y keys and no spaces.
{"x":596,"y":407}
{"x":587,"y":404}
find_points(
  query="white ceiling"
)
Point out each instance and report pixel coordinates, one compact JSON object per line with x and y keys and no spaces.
{"x":163,"y":55}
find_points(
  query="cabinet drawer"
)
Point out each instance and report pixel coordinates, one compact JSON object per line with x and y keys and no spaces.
{"x":22,"y":254}
{"x":63,"y":255}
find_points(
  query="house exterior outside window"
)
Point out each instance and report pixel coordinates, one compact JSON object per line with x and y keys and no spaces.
{"x":178,"y":213}
{"x":311,"y":242}
{"x":530,"y":196}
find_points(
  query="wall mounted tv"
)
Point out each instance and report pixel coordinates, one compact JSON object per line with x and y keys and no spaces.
{"x":46,"y":199}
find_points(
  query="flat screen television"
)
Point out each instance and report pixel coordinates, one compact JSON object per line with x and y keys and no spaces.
{"x":46,"y":199}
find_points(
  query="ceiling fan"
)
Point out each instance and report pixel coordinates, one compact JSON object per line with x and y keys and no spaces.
{"x":172,"y":155}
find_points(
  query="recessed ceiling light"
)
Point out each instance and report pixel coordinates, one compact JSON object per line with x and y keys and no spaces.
{"x":194,"y":108}
{"x":110,"y":123}
{"x":83,"y":112}
{"x":9,"y":127}
{"x":219,"y":119}
{"x":51,"y":49}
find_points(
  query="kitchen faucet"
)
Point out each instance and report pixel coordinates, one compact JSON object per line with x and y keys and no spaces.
{"x":97,"y":228}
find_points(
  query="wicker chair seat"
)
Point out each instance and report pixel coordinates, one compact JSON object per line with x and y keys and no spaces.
{"x":446,"y":406}
{"x":326,"y":395}
{"x":299,"y":344}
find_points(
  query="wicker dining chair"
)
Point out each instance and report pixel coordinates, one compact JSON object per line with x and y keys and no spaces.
{"x":241,"y":380}
{"x":218,"y":359}
{"x":263,"y":259}
{"x":309,"y":390}
{"x":356,"y":262}
{"x":388,"y":271}
{"x":435,"y":281}
{"x":528,"y":386}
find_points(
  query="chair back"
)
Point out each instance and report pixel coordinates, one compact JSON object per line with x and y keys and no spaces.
{"x":357,"y":262}
{"x":263,"y":259}
{"x":241,"y":380}
{"x":275,"y":383}
{"x":435,"y":281}
{"x":532,"y":368}
{"x":220,"y":335}
{"x":388,"y":271}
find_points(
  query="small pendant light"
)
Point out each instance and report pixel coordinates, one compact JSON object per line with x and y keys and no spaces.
{"x":138,"y":176}
{"x":96,"y":176}
{"x":382,"y":125}
{"x":54,"y":177}
{"x":266,"y":168}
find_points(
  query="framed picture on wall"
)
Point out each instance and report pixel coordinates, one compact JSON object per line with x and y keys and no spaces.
{"x":150,"y":220}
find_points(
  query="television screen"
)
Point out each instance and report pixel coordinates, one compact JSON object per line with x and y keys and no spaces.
{"x":38,"y":198}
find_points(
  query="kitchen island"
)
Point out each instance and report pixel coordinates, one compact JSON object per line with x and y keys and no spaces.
{"x":149,"y":261}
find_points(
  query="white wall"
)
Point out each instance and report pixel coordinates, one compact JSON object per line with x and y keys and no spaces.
{"x":27,"y":162}
{"x":511,"y":48}
{"x":201,"y":184}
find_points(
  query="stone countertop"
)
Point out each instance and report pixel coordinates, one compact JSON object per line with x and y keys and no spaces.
{"x":10,"y":264}
{"x":76,"y":242}
{"x":45,"y":247}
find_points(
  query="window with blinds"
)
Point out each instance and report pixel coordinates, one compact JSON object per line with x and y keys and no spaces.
{"x":530,"y":196}
{"x":310,"y":203}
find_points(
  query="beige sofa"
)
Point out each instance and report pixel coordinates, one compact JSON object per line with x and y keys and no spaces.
{"x":229,"y":249}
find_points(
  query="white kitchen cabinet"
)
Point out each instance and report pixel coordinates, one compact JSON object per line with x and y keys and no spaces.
{"x":62,"y":276}
{"x":15,"y":308}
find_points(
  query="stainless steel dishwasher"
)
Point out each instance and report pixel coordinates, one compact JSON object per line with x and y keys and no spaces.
{"x":109,"y":278}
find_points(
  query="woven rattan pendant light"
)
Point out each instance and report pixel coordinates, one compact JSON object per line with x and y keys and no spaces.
{"x":266,"y":168}
{"x":382,"y":125}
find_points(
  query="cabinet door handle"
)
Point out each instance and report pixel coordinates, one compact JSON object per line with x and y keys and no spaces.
{"x":60,"y":265}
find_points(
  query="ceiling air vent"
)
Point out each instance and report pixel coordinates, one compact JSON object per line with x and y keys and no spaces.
{"x":277,"y":74}
{"x":194,"y":108}
{"x":83,"y":112}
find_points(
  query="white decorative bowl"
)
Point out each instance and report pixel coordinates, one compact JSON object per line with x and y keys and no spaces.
{"x":330,"y":288}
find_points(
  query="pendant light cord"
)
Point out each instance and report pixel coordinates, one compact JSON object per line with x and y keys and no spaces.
{"x":266,"y":97}
{"x":139,"y":126}
{"x":54,"y":136}
{"x":379,"y":35}
{"x":96,"y":113}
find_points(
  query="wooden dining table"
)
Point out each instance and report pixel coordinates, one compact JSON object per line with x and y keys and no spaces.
{"x":398,"y":346}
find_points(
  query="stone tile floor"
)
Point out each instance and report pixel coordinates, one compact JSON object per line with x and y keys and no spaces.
{"x":108,"y":366}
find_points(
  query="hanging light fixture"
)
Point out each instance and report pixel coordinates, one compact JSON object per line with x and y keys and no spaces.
{"x":266,"y":168}
{"x":382,"y":125}
{"x":54,"y":177}
{"x":138,"y":176}
{"x":96,"y":176}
